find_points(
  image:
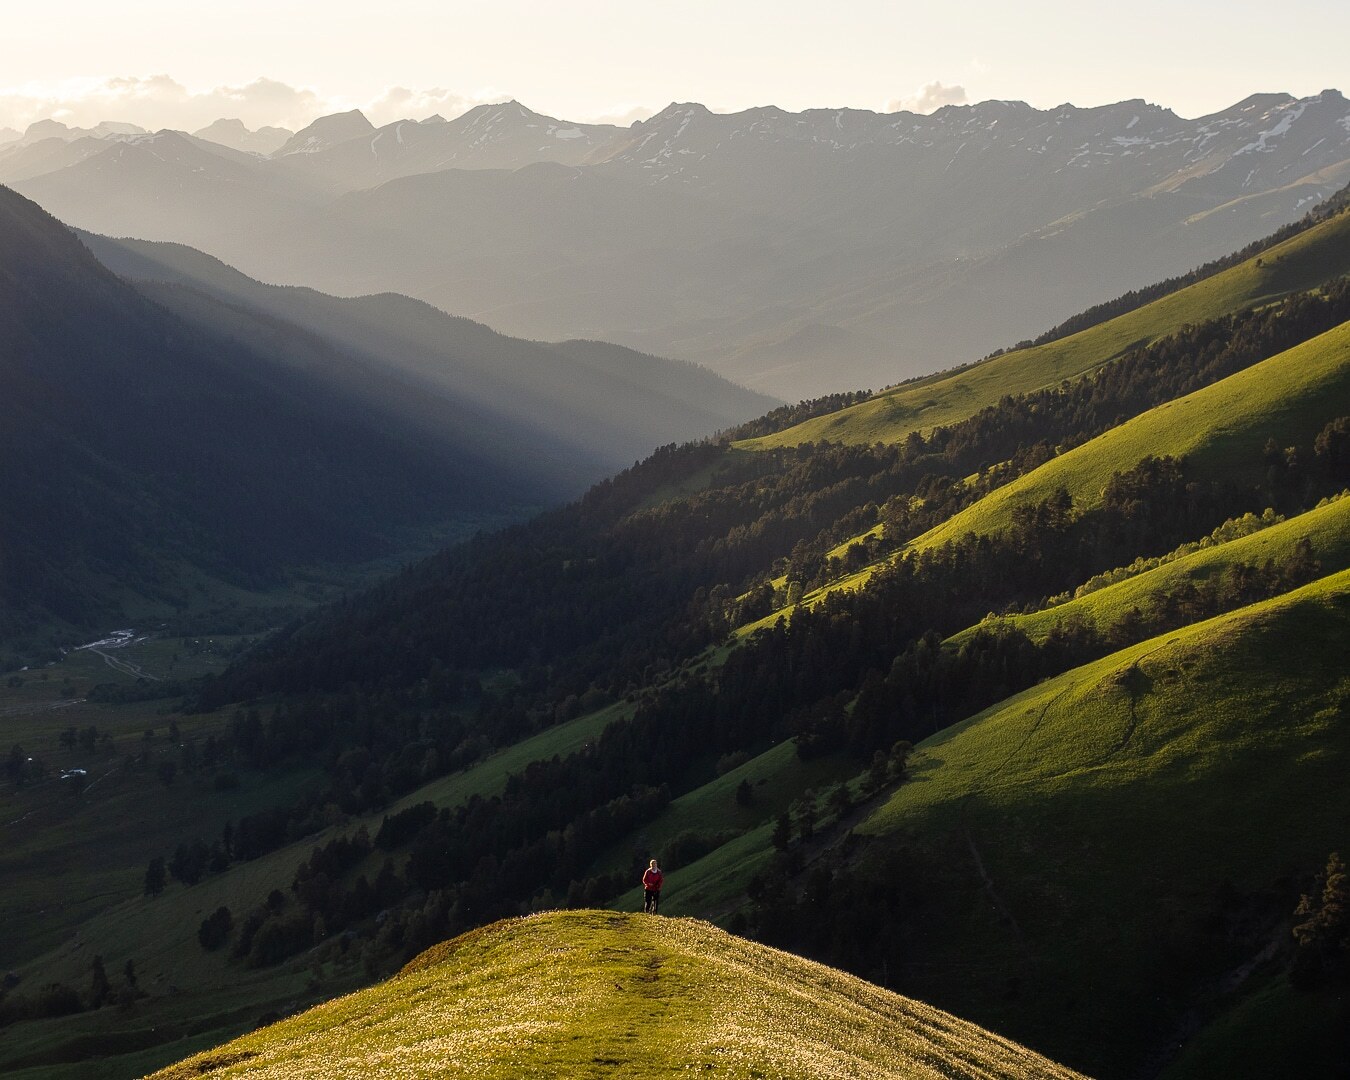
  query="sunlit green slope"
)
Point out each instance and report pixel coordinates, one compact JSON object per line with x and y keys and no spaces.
{"x":1327,"y":530}
{"x":1301,"y":262}
{"x":1074,"y":838}
{"x":1219,"y":429}
{"x":589,"y":994}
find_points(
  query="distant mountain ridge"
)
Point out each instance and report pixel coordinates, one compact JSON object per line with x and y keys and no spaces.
{"x":505,"y":136}
{"x":234,"y":134}
{"x":593,"y":407}
{"x":326,"y":132}
{"x":800,"y":253}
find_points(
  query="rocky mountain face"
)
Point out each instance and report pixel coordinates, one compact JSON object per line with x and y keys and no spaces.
{"x":506,"y":136}
{"x":236,"y":136}
{"x":796,"y":252}
{"x":48,"y":145}
{"x":326,"y":133}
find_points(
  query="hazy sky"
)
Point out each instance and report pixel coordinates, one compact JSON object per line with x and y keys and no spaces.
{"x":182,"y":64}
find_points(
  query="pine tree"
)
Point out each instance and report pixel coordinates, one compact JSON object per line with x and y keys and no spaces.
{"x":1323,"y":936}
{"x":100,"y":989}
{"x":155,"y":877}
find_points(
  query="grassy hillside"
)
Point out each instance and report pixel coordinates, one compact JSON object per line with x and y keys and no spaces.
{"x":1096,"y":844}
{"x":1220,"y":430}
{"x":711,"y":817}
{"x":1274,"y":1031}
{"x":587,"y":993}
{"x":712,"y":882}
{"x":1302,"y":262}
{"x":104,"y":834}
{"x":1327,"y":528}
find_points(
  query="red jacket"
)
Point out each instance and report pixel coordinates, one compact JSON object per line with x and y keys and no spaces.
{"x":652,"y":879}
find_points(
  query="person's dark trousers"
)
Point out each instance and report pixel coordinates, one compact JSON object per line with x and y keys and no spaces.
{"x":652,"y":900}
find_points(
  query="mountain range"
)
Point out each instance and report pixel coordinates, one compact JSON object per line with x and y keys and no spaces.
{"x":795,"y":252}
{"x":233,"y":134}
{"x":183,"y":420}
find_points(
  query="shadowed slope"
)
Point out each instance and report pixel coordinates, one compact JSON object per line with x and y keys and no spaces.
{"x":133,"y":441}
{"x":588,"y":402}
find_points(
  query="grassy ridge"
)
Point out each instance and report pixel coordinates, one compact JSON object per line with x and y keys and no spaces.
{"x":1302,"y":262}
{"x":776,"y":778}
{"x":1327,"y":528}
{"x":1075,"y":835}
{"x":1220,"y":430}
{"x":588,"y":994}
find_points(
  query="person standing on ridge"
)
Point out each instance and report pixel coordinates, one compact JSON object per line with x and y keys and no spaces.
{"x":651,"y":886}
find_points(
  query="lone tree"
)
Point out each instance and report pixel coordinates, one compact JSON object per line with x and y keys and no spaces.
{"x":100,"y":989}
{"x":155,"y":877}
{"x":215,"y":929}
{"x":1323,"y":935}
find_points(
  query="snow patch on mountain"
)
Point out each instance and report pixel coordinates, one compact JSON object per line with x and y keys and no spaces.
{"x":1286,"y":122}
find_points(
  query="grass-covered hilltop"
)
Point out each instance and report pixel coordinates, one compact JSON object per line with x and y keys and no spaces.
{"x":587,"y":993}
{"x":1020,"y":691}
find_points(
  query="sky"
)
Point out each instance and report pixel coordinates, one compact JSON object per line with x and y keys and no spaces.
{"x":167,"y":63}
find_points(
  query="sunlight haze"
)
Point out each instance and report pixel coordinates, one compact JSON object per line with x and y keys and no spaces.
{"x":158,"y":63}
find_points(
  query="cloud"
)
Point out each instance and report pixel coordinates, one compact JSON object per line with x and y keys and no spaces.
{"x":400,"y":103}
{"x":623,"y":115}
{"x":159,"y":101}
{"x":929,"y":98}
